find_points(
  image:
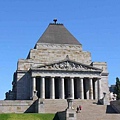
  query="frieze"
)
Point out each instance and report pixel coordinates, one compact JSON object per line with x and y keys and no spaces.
{"x":59,"y":46}
{"x":69,"y":65}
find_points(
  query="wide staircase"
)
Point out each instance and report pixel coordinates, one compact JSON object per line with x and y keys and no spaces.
{"x":90,"y":109}
{"x":93,"y":111}
{"x":53,"y":106}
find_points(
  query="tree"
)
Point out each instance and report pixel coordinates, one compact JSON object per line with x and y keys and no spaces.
{"x":117,"y":88}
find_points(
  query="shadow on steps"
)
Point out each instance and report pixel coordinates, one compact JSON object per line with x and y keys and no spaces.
{"x":56,"y":117}
{"x":59,"y":116}
{"x":110,"y":110}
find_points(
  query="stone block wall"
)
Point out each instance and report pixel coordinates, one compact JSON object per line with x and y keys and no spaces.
{"x":17,"y":106}
{"x":24,"y":64}
{"x":104,"y":77}
{"x":42,"y":54}
{"x":49,"y":53}
{"x":23,"y":86}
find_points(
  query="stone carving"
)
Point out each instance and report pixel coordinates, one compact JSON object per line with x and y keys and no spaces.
{"x":56,"y":46}
{"x":69,"y":65}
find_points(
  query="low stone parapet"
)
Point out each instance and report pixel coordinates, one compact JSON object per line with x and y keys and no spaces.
{"x":17,"y":106}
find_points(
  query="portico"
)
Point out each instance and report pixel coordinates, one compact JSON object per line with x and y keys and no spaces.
{"x":73,"y":79}
{"x":63,"y":87}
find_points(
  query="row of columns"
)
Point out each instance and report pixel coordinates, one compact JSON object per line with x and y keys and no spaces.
{"x":80,"y":91}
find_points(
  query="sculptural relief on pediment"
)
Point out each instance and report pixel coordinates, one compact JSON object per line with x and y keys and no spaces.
{"x":69,"y":65}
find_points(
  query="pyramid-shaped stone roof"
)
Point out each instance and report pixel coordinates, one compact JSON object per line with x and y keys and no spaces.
{"x":57,"y":34}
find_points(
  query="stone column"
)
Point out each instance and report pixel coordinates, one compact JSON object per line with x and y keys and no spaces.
{"x":72,"y":88}
{"x":91,"y":88}
{"x":81,"y":89}
{"x":34,"y":85}
{"x":42,"y":87}
{"x":34,"y":92}
{"x":99,"y":88}
{"x":52,"y":88}
{"x":96,"y":89}
{"x":62,"y":89}
{"x":87,"y":88}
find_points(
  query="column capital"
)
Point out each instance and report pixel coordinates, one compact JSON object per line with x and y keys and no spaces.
{"x":33,"y":77}
{"x":52,"y":76}
{"x":90,"y":77}
{"x":99,"y":78}
{"x":96,"y":78}
{"x":42,"y":76}
{"x":72,"y":77}
{"x":81,"y":77}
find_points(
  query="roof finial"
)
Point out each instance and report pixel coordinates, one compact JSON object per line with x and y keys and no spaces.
{"x":55,"y":20}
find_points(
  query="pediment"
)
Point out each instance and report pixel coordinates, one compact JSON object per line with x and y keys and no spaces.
{"x":68,"y":65}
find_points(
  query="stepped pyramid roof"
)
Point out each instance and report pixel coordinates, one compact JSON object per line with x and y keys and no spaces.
{"x":57,"y":34}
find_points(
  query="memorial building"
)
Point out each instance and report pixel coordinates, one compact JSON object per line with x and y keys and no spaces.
{"x":58,"y":68}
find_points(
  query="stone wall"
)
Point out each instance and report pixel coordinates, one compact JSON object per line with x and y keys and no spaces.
{"x":23,"y":86}
{"x":104,"y":78}
{"x":56,"y":52}
{"x":44,"y":53}
{"x":49,"y":53}
{"x":17,"y":106}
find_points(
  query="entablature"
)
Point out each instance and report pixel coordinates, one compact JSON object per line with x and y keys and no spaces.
{"x":46,"y":73}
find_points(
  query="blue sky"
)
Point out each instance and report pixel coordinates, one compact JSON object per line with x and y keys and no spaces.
{"x":95,"y":23}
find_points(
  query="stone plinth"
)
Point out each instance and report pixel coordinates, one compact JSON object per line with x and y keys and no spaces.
{"x":105,"y":99}
{"x":40,"y":107}
{"x":70,"y":111}
{"x":71,"y":114}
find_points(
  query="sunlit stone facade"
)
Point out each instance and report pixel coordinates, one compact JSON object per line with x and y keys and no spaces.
{"x":57,"y":68}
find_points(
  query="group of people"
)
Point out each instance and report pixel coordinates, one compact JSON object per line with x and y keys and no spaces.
{"x":79,"y":108}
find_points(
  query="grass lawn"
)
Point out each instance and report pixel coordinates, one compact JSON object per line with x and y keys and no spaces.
{"x":27,"y":116}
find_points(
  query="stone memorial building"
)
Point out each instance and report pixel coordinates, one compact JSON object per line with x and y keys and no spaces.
{"x":57,"y":68}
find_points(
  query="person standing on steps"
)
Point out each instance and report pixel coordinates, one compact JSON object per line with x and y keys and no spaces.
{"x":77,"y":109}
{"x":80,"y":108}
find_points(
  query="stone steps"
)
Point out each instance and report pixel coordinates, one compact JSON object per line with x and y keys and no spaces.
{"x":98,"y":117}
{"x":90,"y":110}
{"x":53,"y":106}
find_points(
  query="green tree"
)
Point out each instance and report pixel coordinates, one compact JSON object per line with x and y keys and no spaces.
{"x":117,"y":88}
